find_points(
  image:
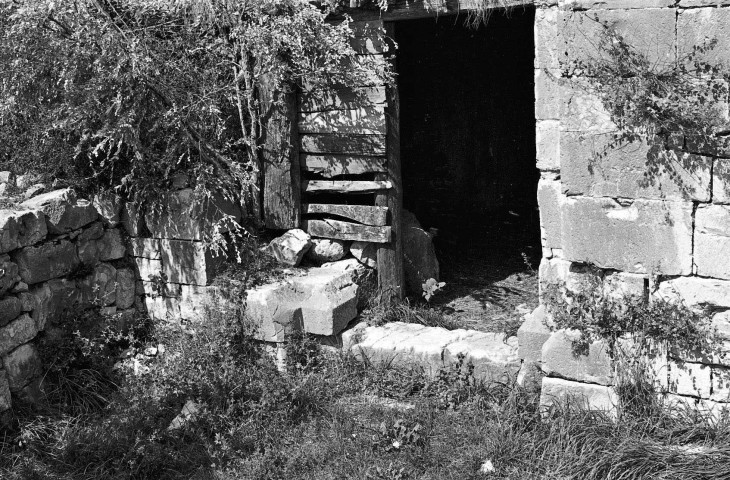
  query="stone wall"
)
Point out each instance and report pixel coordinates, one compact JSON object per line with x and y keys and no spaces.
{"x":58,"y":253}
{"x":652,"y":220}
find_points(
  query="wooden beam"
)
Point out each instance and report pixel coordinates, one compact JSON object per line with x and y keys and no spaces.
{"x":363,"y":121}
{"x":376,"y":216}
{"x":347,"y":231}
{"x":280,"y":159}
{"x":333,"y":165}
{"x":342,"y":99}
{"x":344,"y":186}
{"x":343,"y":144}
{"x":391,"y":276}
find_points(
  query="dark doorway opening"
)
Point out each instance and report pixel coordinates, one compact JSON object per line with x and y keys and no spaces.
{"x":468,"y":158}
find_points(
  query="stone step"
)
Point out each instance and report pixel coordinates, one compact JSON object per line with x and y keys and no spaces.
{"x":323,"y":301}
{"x":494,"y":357}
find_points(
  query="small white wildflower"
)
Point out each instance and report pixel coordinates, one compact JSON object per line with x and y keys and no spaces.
{"x":487,"y":467}
{"x":396,"y":444}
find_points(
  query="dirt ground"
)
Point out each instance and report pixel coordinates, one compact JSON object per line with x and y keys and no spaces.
{"x":490,"y":274}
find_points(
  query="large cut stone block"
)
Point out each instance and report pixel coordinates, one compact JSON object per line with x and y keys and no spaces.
{"x":650,"y":30}
{"x":46,"y":261}
{"x":547,"y":137}
{"x":547,"y":44}
{"x":615,"y":4}
{"x":550,"y":199}
{"x":532,"y":335}
{"x":559,"y":358}
{"x":22,"y":365}
{"x":712,"y":241}
{"x":643,"y":236}
{"x":21,"y":228}
{"x":274,"y":311}
{"x":696,"y":26}
{"x":594,"y":165}
{"x":547,"y":94}
{"x":184,"y":215}
{"x":188,"y":262}
{"x":721,"y":181}
{"x":581,"y":110}
{"x":64,"y":212}
{"x":696,"y":292}
{"x":20,"y":331}
{"x":494,"y":357}
{"x":692,"y":379}
{"x":593,"y":397}
{"x":149,"y":269}
{"x":146,"y":248}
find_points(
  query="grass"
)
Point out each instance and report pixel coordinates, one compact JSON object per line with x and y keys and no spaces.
{"x":331,"y":417}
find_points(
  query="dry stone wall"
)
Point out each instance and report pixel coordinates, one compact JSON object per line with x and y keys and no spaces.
{"x":58,"y":253}
{"x":665,"y":233}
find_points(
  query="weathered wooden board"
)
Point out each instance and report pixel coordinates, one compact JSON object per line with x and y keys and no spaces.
{"x":364,"y":121}
{"x":280,"y":161}
{"x":344,"y":186}
{"x":334,"y":165}
{"x":367,"y":215}
{"x":343,"y":144}
{"x":342,"y":99}
{"x":391,"y":275}
{"x":347,"y":231}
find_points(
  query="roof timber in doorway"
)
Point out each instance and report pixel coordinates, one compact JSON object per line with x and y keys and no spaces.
{"x":412,"y":9}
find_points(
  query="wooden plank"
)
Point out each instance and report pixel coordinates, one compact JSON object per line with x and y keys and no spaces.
{"x":280,"y":160}
{"x":344,"y":186}
{"x":342,"y":99}
{"x":391,"y":276}
{"x":364,"y":121}
{"x":334,"y":165}
{"x":347,"y":231}
{"x":343,"y":144}
{"x":364,"y":214}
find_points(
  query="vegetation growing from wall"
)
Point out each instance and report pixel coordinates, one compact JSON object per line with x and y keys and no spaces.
{"x":128,"y":94}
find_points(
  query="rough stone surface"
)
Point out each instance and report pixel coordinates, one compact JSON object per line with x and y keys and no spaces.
{"x":641,"y":237}
{"x":148,"y":269}
{"x":35,"y":190}
{"x":615,"y":4}
{"x":559,"y":359}
{"x":290,"y":248}
{"x":183,"y":216}
{"x":21,"y":228}
{"x":692,"y":379}
{"x":532,"y":335}
{"x":132,"y":220}
{"x":10,"y":309}
{"x":99,"y":288}
{"x":125,"y":288}
{"x":8,"y":274}
{"x":419,"y":255}
{"x":53,"y":298}
{"x":547,"y":137}
{"x":494,"y":357}
{"x":598,"y":168}
{"x":109,"y":206}
{"x":696,"y":292}
{"x":651,"y":31}
{"x":111,"y":245}
{"x":365,"y":253}
{"x":698,"y":25}
{"x":16,"y":333}
{"x":146,"y":248}
{"x":720,"y":384}
{"x":46,"y":261}
{"x":721,"y":181}
{"x":550,"y":199}
{"x":188,"y":262}
{"x":324,"y":250}
{"x":5,"y":396}
{"x":64,"y":212}
{"x":274,"y":311}
{"x":547,"y":94}
{"x":712,"y":241}
{"x":7,"y":177}
{"x":594,"y":397}
{"x":27,"y":301}
{"x":547,"y":46}
{"x":22,"y":365}
{"x":88,"y":251}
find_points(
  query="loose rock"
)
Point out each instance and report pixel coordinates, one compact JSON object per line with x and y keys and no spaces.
{"x":419,"y":254}
{"x":64,"y":212}
{"x":324,"y":250}
{"x":366,"y":253}
{"x":290,"y":248}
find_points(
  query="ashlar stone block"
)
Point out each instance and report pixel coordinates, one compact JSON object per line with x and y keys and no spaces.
{"x":696,"y":292}
{"x":643,"y":236}
{"x":550,"y":199}
{"x":560,"y":358}
{"x":591,"y":396}
{"x":712,"y":241}
{"x":700,"y":25}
